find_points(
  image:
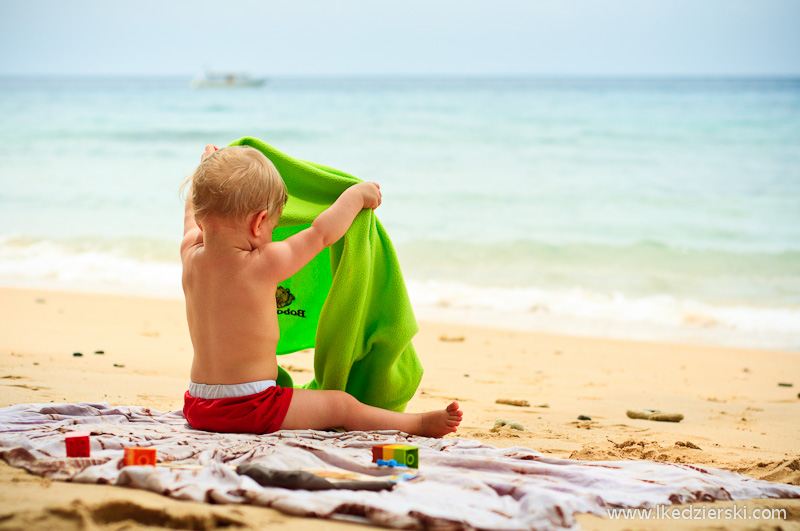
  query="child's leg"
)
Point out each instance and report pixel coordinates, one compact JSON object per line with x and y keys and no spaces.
{"x":318,"y":410}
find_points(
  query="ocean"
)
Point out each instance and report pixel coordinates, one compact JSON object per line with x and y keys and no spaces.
{"x":636,"y":208}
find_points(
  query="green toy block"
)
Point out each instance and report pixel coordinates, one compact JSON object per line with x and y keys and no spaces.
{"x":407,"y":455}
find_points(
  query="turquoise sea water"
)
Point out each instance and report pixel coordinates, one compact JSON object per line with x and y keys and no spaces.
{"x":612,"y":206}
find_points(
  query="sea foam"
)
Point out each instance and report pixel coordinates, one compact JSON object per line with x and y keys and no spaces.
{"x":85,"y":267}
{"x":578,"y":310}
{"x":55,"y":265}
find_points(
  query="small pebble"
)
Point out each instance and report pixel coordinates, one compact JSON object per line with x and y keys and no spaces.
{"x":514,"y":425}
{"x":118,"y":365}
{"x":77,"y":354}
{"x":99,"y":351}
{"x":584,"y":417}
{"x":785,"y":384}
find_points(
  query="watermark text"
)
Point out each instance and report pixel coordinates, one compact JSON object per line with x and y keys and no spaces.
{"x":667,"y":512}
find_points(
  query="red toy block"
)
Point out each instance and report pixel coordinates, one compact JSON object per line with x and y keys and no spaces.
{"x":77,"y":443}
{"x":139,"y":456}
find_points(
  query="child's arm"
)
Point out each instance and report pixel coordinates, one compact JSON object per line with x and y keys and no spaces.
{"x":287,"y":257}
{"x":192,"y":234}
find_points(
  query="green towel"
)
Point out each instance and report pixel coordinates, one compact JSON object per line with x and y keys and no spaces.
{"x":350,"y":303}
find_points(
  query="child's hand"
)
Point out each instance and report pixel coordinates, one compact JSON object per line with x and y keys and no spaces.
{"x":210,"y":148}
{"x":370,"y":193}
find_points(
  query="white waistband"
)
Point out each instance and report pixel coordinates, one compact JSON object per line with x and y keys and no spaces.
{"x":199,"y":390}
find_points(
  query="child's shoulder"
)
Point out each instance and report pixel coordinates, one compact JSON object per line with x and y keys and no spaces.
{"x":265,"y":252}
{"x":270,"y":259}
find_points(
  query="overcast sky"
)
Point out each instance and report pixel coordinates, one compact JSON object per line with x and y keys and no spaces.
{"x":409,"y":37}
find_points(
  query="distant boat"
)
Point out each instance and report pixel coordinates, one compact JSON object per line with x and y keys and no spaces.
{"x":226,"y":80}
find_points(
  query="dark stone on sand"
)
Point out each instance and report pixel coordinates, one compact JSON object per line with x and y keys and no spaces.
{"x":77,"y":354}
{"x":785,"y":384}
{"x":119,"y":365}
{"x":99,"y":351}
{"x":584,"y":417}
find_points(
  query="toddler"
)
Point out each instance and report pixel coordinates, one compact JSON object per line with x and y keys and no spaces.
{"x":231,"y":271}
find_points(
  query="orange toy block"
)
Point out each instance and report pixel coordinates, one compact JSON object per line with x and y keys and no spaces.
{"x":77,"y":444}
{"x":139,"y":456}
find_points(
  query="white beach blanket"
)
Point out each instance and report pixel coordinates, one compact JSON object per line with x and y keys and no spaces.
{"x":463,"y":484}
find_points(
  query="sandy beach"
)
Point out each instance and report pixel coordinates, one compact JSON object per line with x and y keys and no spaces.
{"x":736,"y":415}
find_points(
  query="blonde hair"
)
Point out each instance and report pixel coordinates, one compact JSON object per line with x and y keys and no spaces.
{"x":235,"y":181}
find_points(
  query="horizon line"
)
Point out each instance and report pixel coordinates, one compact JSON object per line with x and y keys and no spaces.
{"x":446,"y":76}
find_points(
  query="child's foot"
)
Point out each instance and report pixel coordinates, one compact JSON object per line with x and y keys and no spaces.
{"x":440,"y":423}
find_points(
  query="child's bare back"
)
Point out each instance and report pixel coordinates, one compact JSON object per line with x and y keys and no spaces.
{"x":231,"y":268}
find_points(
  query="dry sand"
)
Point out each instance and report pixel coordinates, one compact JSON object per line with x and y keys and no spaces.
{"x":737,"y":417}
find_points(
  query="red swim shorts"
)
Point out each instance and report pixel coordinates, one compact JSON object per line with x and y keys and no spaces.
{"x":259,"y":413}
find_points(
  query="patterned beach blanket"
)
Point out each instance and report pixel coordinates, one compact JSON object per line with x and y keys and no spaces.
{"x":460,"y":484}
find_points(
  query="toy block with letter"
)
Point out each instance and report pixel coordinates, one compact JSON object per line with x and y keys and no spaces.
{"x":402,"y":454}
{"x":77,"y":444}
{"x":407,"y":455}
{"x":139,"y":456}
